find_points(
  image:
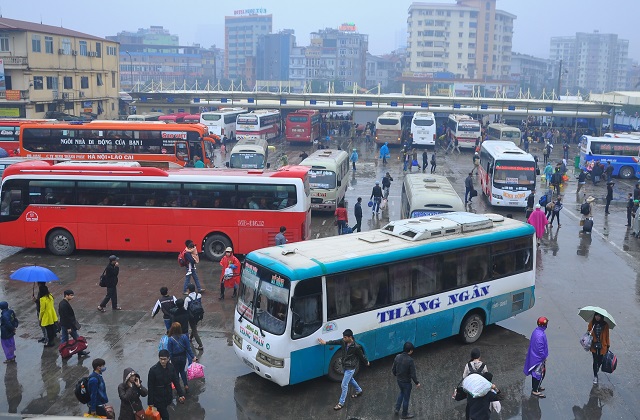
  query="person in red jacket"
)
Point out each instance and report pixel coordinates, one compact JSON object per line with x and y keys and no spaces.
{"x":230,"y":276}
{"x":342,"y":218}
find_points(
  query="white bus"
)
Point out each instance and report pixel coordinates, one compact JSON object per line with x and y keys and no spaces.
{"x":259,"y":124}
{"x":423,"y":129}
{"x":389,"y":128}
{"x":507,"y":173}
{"x":419,"y":280}
{"x":504,"y":132}
{"x":328,"y":178}
{"x":465,"y":129}
{"x":426,"y":195}
{"x":149,"y":116}
{"x":249,"y":154}
{"x":223,"y":121}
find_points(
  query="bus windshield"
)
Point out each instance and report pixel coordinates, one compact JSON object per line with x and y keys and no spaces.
{"x":264,"y":298}
{"x":322,"y":179}
{"x":247,"y":160}
{"x":514,"y":173}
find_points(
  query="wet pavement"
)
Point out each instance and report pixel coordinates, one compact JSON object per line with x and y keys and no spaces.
{"x":574,"y":270}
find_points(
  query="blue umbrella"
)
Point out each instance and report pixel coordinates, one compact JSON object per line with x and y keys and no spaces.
{"x":33,"y":274}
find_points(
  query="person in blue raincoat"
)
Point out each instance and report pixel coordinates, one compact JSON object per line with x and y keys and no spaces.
{"x":354,"y":158}
{"x":384,"y":153}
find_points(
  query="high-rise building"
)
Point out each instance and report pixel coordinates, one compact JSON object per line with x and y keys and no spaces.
{"x":241,"y":34}
{"x":590,"y":62}
{"x":273,"y":55}
{"x":532,"y":74}
{"x":49,"y":69}
{"x":471,"y":39}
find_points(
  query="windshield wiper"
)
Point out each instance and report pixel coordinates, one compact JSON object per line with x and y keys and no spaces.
{"x":245,"y":311}
{"x":257,"y":315}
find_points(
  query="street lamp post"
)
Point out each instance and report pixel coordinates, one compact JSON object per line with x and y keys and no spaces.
{"x":130,"y":69}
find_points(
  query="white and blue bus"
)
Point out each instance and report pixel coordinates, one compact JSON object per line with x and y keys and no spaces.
{"x":623,"y":151}
{"x":418,"y":280}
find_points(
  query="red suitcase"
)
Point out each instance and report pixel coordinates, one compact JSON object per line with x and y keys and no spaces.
{"x":72,"y":347}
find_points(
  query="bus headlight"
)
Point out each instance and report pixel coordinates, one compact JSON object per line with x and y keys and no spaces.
{"x":237,"y":340}
{"x":496,"y":196}
{"x":271,"y":361}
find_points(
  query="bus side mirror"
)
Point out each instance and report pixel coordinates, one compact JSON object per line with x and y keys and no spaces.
{"x":227,"y":164}
{"x":268,"y":165}
{"x":339,"y":183}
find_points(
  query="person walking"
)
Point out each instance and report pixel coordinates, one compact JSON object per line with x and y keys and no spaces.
{"x":531,"y":200}
{"x":582,"y":180}
{"x":280,"y":238}
{"x":98,"y":391}
{"x":342,"y":218}
{"x":636,"y":219}
{"x":111,"y":283}
{"x":425,"y":161}
{"x":161,"y":376}
{"x":357,"y":211}
{"x":353,"y":158}
{"x":36,"y":300}
{"x":548,"y":173}
{"x":351,"y":354}
{"x":556,"y":180}
{"x":180,"y":352}
{"x":130,"y":391}
{"x":8,"y":325}
{"x":636,"y":192}
{"x":229,"y":278}
{"x":555,"y":213}
{"x":608,"y":172}
{"x":468,"y":187}
{"x":191,"y":258}
{"x":474,"y":365}
{"x":610,"y":185}
{"x":48,"y":316}
{"x":433,"y":162}
{"x":539,"y":221}
{"x":534,"y":364}
{"x":68,"y":323}
{"x":164,"y":304}
{"x":180,"y":315}
{"x":190,"y":302}
{"x":404,"y":369}
{"x":384,"y":153}
{"x":386,"y":185}
{"x":629,"y":209}
{"x":599,"y":330}
{"x":376,"y":196}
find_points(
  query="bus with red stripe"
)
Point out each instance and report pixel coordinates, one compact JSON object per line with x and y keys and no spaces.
{"x":261,"y":124}
{"x":303,"y":126}
{"x":117,"y":206}
{"x":465,"y":130}
{"x":10,"y":133}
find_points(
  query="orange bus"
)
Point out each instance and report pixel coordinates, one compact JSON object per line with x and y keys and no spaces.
{"x":109,"y":206}
{"x":151,"y":144}
{"x":10,"y":133}
{"x":303,"y":126}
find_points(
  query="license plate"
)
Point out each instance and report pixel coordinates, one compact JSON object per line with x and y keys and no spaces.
{"x":248,"y":363}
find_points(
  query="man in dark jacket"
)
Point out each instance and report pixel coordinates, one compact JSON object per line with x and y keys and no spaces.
{"x":180,"y":315}
{"x":357,"y":210}
{"x":468,"y":187}
{"x":351,"y":354}
{"x":404,"y":369}
{"x":161,"y":376}
{"x":111,"y":283}
{"x":376,"y":196}
{"x":68,"y":323}
{"x":609,"y":196}
{"x":97,"y":389}
{"x":531,"y":201}
{"x":164,"y":304}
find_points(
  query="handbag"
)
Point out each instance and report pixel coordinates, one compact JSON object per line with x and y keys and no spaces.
{"x":103,"y":278}
{"x":370,"y":203}
{"x":586,"y":340}
{"x":139,"y":414}
{"x":195,"y":371}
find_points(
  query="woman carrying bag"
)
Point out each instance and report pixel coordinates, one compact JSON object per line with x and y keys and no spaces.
{"x":130,"y":391}
{"x":599,"y":330}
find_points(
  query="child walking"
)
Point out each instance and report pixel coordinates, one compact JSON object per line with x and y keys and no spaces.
{"x":8,"y":325}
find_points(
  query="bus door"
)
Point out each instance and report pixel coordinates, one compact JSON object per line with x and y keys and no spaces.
{"x":182,"y":151}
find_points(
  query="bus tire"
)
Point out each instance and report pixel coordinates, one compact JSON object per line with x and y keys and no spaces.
{"x":60,"y":242}
{"x":214,"y":246}
{"x":626,"y":172}
{"x":471,"y":328}
{"x":336,"y":371}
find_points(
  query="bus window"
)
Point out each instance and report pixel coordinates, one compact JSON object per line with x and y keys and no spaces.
{"x":306,"y":308}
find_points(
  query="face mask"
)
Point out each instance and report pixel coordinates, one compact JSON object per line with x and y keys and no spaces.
{"x":103,"y":369}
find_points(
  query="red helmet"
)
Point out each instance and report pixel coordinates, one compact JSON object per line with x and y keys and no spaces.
{"x":542,"y":321}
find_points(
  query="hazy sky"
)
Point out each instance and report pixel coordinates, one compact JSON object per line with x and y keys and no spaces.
{"x":202,"y":21}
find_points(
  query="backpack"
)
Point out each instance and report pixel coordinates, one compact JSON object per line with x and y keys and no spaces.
{"x":13,"y":319}
{"x":585,"y":209}
{"x":164,"y":343}
{"x":195,"y":309}
{"x":543,"y":201}
{"x":82,"y":390}
{"x":472,"y":370}
{"x":182,"y":260}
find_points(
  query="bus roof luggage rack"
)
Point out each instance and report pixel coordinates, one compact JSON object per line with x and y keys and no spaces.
{"x":422,"y":228}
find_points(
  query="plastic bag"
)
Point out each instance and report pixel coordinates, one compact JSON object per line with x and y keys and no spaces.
{"x":383,"y":204}
{"x":476,"y":385}
{"x":370,"y":203}
{"x":586,"y":340}
{"x":195,"y":371}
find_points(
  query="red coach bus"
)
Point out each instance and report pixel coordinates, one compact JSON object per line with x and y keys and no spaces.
{"x":151,"y":144}
{"x":67,"y":206}
{"x":10,"y":133}
{"x":173,"y":118}
{"x":303,"y":126}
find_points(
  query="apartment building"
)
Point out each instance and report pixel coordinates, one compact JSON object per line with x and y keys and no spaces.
{"x":242,"y":32}
{"x":49,"y":68}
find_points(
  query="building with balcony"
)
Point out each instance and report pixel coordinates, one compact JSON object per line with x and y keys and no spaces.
{"x":49,"y":68}
{"x":471,"y":39}
{"x":241,"y":35}
{"x":591,"y":62}
{"x":532,"y":74}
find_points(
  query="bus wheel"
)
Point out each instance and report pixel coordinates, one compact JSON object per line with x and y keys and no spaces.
{"x":214,"y":246}
{"x":336,"y":371}
{"x":61,"y":242}
{"x":626,"y":172}
{"x":471,"y":328}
